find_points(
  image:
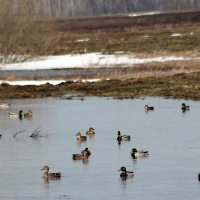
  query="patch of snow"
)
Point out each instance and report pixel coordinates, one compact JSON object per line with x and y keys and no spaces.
{"x":83,"y":40}
{"x":143,"y":14}
{"x":32,"y":82}
{"x":176,"y":35}
{"x":146,"y":36}
{"x":42,"y":82}
{"x":87,"y":60}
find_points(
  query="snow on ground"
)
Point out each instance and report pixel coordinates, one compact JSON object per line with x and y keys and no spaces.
{"x":143,"y":14}
{"x":32,"y":82}
{"x":83,"y":40}
{"x":42,"y":82}
{"x":87,"y":60}
{"x":176,"y":34}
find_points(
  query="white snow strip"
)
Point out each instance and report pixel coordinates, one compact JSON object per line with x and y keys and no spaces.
{"x":87,"y":60}
{"x":176,"y":35}
{"x":42,"y":82}
{"x":83,"y":40}
{"x":33,"y":82}
{"x":143,"y":14}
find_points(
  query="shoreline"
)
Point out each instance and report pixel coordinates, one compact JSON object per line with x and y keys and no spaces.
{"x":177,"y":86}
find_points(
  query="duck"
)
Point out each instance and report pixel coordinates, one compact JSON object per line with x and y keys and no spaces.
{"x":199,"y":176}
{"x":81,"y":156}
{"x":123,"y":137}
{"x":185,"y":107}
{"x":87,"y":151}
{"x":148,"y":108}
{"x":125,"y":174}
{"x":47,"y":175}
{"x":90,"y":131}
{"x":15,"y":115}
{"x":81,"y":137}
{"x":4,"y":106}
{"x":28,"y":115}
{"x":142,"y":153}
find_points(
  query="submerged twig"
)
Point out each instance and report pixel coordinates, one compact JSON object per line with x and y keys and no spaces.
{"x":17,"y":133}
{"x":35,"y":133}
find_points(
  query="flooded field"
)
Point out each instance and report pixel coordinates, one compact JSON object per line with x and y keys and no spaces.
{"x":50,"y":73}
{"x":171,"y":136}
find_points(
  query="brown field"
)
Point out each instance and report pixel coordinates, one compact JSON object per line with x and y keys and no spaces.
{"x":144,"y":36}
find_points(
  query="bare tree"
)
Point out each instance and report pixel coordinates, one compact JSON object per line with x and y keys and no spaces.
{"x":22,"y":33}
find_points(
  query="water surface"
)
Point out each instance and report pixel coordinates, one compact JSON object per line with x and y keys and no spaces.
{"x":169,"y":172}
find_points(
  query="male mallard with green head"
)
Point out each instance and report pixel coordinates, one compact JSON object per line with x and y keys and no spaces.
{"x":185,"y":107}
{"x":125,"y":174}
{"x":123,"y":137}
{"x":135,"y":153}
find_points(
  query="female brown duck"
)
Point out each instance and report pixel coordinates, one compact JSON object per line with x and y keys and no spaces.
{"x":47,"y":175}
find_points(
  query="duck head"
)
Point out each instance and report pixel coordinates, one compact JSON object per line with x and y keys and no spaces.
{"x":78,"y":134}
{"x":122,"y":169}
{"x":45,"y":168}
{"x":134,"y":150}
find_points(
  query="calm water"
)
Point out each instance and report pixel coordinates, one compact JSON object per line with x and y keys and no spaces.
{"x":169,"y":173}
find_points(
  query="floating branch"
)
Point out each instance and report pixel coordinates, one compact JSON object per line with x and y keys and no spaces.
{"x":17,"y":133}
{"x":35,"y":133}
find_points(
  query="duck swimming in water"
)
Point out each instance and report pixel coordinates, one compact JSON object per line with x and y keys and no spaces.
{"x":81,"y":156}
{"x":148,"y":108}
{"x":90,"y":132}
{"x":125,"y":174}
{"x":123,"y":137}
{"x":28,"y":115}
{"x":142,"y":153}
{"x":86,"y":151}
{"x":185,"y":107}
{"x":47,"y":175}
{"x":81,"y":137}
{"x":15,"y":115}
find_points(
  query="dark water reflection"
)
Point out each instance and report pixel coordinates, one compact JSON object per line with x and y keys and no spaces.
{"x":169,"y":172}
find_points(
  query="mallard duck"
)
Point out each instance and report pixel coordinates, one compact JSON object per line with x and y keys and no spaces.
{"x":185,"y":107}
{"x":90,"y":131}
{"x":81,"y":137}
{"x":28,"y":115}
{"x":47,"y":175}
{"x":199,"y":176}
{"x":135,"y":153}
{"x":80,"y":156}
{"x":148,"y":108}
{"x":15,"y":115}
{"x":86,"y":151}
{"x":123,"y":137}
{"x":124,"y":173}
{"x":4,"y":105}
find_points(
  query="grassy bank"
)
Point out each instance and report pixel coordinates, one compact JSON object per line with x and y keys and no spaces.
{"x":181,"y":86}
